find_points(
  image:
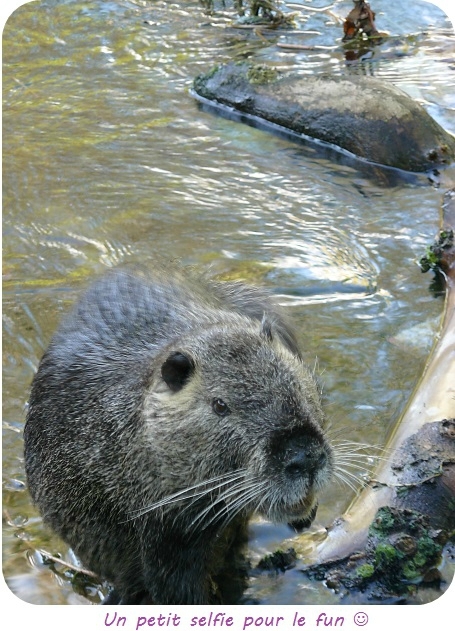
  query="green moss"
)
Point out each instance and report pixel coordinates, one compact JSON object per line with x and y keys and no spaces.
{"x":428,"y":552}
{"x":211,"y":72}
{"x":384,"y":522}
{"x":385,"y":556}
{"x":409,"y":572}
{"x":434,"y":253}
{"x":261,"y":75}
{"x":365,"y":571}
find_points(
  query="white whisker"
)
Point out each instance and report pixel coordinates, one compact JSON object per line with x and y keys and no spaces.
{"x":242,"y":501}
{"x":352,"y":465}
{"x":241,"y":494}
{"x":195,"y":491}
{"x":341,"y":478}
{"x":354,"y":477}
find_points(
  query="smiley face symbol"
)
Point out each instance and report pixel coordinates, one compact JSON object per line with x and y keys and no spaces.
{"x":360,"y":619}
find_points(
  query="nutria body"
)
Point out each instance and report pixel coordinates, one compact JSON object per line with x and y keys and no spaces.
{"x":166,"y":410}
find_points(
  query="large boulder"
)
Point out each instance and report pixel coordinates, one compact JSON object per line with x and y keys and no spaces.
{"x":370,"y":118}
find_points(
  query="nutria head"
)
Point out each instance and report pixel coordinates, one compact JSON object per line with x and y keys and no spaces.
{"x":234,"y":418}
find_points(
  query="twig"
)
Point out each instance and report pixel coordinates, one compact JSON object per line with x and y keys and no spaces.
{"x":70,"y":566}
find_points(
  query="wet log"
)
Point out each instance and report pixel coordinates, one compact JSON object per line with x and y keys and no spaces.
{"x":364,"y":116}
{"x":392,"y":536}
{"x":419,"y":468}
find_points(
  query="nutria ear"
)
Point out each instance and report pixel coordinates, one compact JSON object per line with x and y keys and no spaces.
{"x":267,"y":328}
{"x":176,"y":370}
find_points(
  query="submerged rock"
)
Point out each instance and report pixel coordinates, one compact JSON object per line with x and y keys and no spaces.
{"x":369,"y":118}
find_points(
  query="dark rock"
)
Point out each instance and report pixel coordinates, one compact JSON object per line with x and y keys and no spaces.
{"x":402,"y":552}
{"x":425,"y":473}
{"x":367,"y":117}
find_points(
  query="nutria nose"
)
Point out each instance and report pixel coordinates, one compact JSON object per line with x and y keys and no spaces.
{"x":305,"y":461}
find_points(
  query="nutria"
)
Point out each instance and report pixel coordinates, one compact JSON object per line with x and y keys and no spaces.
{"x":167,"y":409}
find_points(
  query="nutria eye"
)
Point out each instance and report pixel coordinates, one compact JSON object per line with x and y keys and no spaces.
{"x":220,"y":407}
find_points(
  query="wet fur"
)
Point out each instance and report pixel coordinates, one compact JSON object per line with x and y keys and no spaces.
{"x":121,"y":419}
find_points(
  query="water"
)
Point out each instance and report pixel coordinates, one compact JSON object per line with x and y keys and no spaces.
{"x":109,"y":159}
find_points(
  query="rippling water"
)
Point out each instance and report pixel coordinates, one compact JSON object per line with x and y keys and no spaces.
{"x":109,"y":159}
